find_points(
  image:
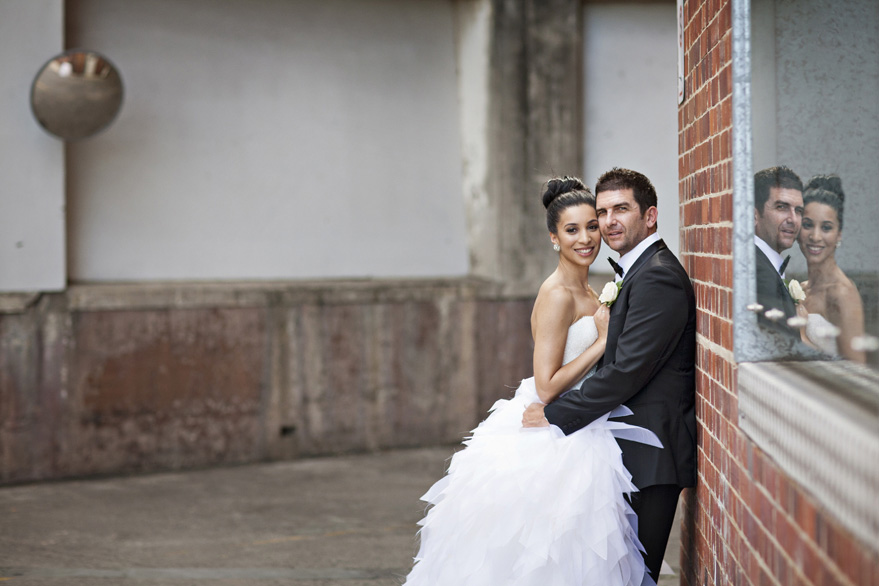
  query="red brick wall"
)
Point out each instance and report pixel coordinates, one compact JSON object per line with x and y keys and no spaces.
{"x":746,"y":522}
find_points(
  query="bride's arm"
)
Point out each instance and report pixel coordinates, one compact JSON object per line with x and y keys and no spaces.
{"x":846,"y":311}
{"x":552,"y":318}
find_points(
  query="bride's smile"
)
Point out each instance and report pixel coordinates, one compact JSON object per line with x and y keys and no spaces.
{"x":578,"y":236}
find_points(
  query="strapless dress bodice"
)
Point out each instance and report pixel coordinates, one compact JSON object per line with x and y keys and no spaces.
{"x":581,"y":335}
{"x":822,"y":333}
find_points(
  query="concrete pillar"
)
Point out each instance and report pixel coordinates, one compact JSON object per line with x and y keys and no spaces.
{"x":529,"y":129}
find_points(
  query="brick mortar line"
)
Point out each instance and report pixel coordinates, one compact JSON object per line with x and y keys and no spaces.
{"x":705,"y":140}
{"x":721,"y":224}
{"x":708,"y":197}
{"x":710,"y":166}
{"x":708,"y":255}
{"x":716,"y":409}
{"x":711,"y":106}
{"x":716,"y":349}
{"x":717,"y":315}
{"x":720,"y":346}
{"x":705,"y":83}
{"x":718,"y":533}
{"x":717,"y":382}
{"x":732,"y":522}
{"x":703,"y":113}
{"x":715,"y":163}
{"x":703,"y":33}
{"x":704,"y":30}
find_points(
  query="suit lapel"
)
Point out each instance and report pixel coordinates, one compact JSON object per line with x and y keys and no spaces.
{"x":781,"y":292}
{"x":645,"y":256}
{"x":621,"y":306}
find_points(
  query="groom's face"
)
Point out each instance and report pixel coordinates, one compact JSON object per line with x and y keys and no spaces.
{"x":622,"y":222}
{"x":778,"y":223}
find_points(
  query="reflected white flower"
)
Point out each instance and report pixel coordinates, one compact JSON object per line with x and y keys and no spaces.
{"x":796,"y":291}
{"x":755,"y":307}
{"x":774,"y":314}
{"x":797,"y":322}
{"x":865,"y":343}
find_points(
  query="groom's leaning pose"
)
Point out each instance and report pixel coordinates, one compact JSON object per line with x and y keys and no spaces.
{"x":648,"y":364}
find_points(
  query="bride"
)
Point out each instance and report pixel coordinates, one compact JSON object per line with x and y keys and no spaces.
{"x":533,"y":506}
{"x":835,"y":313}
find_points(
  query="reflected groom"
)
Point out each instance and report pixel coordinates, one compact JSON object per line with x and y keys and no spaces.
{"x":649,"y":362}
{"x":778,"y":215}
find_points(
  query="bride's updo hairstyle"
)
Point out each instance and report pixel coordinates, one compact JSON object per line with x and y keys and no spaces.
{"x":826,"y":189}
{"x":562,"y":193}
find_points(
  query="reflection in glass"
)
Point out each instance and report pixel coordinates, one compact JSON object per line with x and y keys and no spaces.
{"x":76,"y":94}
{"x":814,"y":82}
{"x":835,"y":310}
{"x":778,"y":211}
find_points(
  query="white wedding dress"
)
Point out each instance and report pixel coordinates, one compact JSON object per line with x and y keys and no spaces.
{"x":533,"y":507}
{"x":822,"y":333}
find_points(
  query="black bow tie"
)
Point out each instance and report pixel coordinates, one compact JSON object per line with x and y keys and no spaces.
{"x":783,"y":265}
{"x":616,"y":267}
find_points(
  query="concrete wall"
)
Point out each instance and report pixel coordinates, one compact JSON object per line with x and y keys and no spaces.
{"x":112,"y":379}
{"x":32,"y":239}
{"x":630,"y":103}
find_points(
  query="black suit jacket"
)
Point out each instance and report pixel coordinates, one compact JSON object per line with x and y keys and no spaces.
{"x":649,"y":366}
{"x":773,"y":293}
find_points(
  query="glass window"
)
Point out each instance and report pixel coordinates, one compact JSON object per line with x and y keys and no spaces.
{"x":813,"y":120}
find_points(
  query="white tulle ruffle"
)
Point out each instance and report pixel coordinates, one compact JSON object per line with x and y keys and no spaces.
{"x":532,"y":507}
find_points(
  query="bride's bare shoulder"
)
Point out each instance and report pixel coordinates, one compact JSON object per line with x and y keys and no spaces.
{"x":553,"y":298}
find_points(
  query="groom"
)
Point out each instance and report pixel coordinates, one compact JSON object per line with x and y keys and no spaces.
{"x":778,"y":216}
{"x":649,"y":362}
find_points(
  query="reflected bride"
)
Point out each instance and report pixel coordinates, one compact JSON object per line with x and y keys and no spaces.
{"x":836,"y":312}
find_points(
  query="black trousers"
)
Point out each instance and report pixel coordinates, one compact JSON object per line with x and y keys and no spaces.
{"x":655,"y":507}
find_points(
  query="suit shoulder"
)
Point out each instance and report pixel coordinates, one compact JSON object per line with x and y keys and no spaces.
{"x":665,"y":261}
{"x":665,"y":273}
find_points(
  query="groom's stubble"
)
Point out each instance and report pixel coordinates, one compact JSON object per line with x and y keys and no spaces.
{"x":620,"y":220}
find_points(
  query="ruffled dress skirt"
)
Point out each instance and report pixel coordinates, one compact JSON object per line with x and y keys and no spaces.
{"x":533,"y":507}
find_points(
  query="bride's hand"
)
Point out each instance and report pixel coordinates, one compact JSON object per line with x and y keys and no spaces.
{"x":602,"y":318}
{"x":533,"y":416}
{"x":802,"y":311}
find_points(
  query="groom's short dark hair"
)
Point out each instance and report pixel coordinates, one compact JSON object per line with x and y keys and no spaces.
{"x":780,"y":177}
{"x":618,"y":179}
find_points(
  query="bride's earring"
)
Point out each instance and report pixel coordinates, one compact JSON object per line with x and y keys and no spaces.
{"x":838,"y":242}
{"x":556,"y":247}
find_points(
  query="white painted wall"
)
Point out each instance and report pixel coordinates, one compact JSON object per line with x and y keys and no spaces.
{"x":630,"y":99}
{"x":266,"y":139}
{"x":31,"y":161}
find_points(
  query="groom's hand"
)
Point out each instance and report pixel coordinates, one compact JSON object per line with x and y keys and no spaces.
{"x":533,"y":416}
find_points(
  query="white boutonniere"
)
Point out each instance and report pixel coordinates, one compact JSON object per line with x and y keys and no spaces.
{"x":610,"y":293}
{"x":796,"y":291}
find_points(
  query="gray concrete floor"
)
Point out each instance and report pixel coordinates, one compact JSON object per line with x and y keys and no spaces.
{"x":346,"y":520}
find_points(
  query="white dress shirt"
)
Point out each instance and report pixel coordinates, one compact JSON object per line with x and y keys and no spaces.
{"x":773,"y":256}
